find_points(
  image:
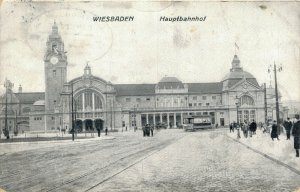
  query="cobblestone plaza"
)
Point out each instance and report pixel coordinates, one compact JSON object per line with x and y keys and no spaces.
{"x":172,"y":160}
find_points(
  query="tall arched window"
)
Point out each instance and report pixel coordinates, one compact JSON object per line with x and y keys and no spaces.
{"x":92,"y":100}
{"x":246,"y":100}
{"x":98,"y":102}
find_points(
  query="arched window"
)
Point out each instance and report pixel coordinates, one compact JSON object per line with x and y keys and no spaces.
{"x":247,"y":100}
{"x":98,"y":102}
{"x":90,"y":98}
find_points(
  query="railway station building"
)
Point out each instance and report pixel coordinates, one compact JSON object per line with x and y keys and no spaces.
{"x":98,"y":103}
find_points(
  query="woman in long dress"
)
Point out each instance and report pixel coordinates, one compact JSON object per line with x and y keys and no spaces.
{"x":274,"y":133}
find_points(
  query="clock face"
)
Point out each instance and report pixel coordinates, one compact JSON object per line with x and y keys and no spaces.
{"x":54,"y":60}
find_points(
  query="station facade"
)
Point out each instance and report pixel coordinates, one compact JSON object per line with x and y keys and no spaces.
{"x":98,"y":103}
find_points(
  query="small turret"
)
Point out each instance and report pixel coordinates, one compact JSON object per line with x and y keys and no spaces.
{"x":54,"y":28}
{"x":87,"y":70}
{"x":236,"y":64}
{"x":20,"y":88}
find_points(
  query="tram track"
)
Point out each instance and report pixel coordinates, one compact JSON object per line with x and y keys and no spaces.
{"x":144,"y":152}
{"x":10,"y":183}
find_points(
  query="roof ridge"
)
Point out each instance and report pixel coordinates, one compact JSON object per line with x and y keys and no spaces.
{"x":28,"y":92}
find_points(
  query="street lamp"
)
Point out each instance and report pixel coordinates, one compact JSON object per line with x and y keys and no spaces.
{"x":275,"y":69}
{"x":72,"y":101}
{"x":8,"y":85}
{"x":134,"y":117}
{"x":237,"y":102}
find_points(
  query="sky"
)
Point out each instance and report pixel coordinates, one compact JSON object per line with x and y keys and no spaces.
{"x":147,"y":49}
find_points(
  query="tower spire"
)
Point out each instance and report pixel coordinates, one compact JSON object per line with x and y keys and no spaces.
{"x":87,"y":69}
{"x":54,"y":28}
{"x":236,"y":64}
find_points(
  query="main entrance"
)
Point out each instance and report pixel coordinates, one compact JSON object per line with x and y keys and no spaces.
{"x":99,"y":124}
{"x":88,"y":125}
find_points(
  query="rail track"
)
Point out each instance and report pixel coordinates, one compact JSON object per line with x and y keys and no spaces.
{"x":143,"y":154}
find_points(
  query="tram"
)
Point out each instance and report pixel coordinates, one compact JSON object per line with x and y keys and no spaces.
{"x":197,"y":122}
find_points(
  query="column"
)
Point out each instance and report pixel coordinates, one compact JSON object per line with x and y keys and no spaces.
{"x":147,"y":118}
{"x":83,"y":102}
{"x":174,"y":117}
{"x":83,"y":126}
{"x":181,"y":118}
{"x":93,"y":101}
{"x":94,"y":124}
{"x":168,"y":120}
{"x":93,"y":105}
{"x":160,"y":115}
{"x":154,"y":123}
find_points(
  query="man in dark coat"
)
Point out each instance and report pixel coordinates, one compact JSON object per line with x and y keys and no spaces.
{"x":296,"y":134}
{"x":274,"y":133}
{"x":288,"y":126}
{"x":252,"y":128}
{"x":151,"y":130}
{"x":231,"y":128}
{"x":99,"y":131}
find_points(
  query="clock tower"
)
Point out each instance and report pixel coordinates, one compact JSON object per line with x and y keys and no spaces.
{"x":55,"y":61}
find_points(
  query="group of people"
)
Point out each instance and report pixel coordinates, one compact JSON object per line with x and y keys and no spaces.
{"x":288,"y":125}
{"x":247,"y":129}
{"x":148,"y":130}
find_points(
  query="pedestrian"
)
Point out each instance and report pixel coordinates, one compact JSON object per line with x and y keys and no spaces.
{"x":274,"y":133}
{"x":231,"y":127}
{"x":126,"y":128}
{"x":106,"y":131}
{"x":288,"y":126}
{"x":296,"y":134}
{"x":245,"y":129}
{"x":99,"y":131}
{"x":151,"y":129}
{"x":253,"y":128}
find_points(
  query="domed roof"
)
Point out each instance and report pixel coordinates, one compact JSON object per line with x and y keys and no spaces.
{"x":236,"y":74}
{"x":169,"y":79}
{"x":39,"y":102}
{"x":170,"y":83}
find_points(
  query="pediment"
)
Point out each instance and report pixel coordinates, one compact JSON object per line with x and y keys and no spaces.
{"x":244,"y":86}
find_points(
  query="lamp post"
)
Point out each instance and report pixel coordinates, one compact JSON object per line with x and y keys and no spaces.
{"x":275,"y":69}
{"x":134,"y":117}
{"x":237,"y":109}
{"x":237,"y":102}
{"x":72,"y":95}
{"x":8,"y":85}
{"x":55,"y":127}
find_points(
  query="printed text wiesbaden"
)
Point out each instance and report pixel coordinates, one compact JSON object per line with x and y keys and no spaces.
{"x":113,"y":18}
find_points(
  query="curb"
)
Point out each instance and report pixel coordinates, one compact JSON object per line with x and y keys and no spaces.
{"x":267,"y":156}
{"x":59,"y":141}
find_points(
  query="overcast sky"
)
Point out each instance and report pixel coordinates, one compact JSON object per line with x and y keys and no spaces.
{"x":145,"y":50}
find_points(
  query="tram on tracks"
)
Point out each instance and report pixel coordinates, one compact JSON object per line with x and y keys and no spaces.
{"x":197,"y":122}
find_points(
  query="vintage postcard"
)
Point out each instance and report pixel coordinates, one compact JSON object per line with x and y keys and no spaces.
{"x":149,"y":96}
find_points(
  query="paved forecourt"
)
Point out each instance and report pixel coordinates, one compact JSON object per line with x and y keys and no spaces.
{"x":204,"y":161}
